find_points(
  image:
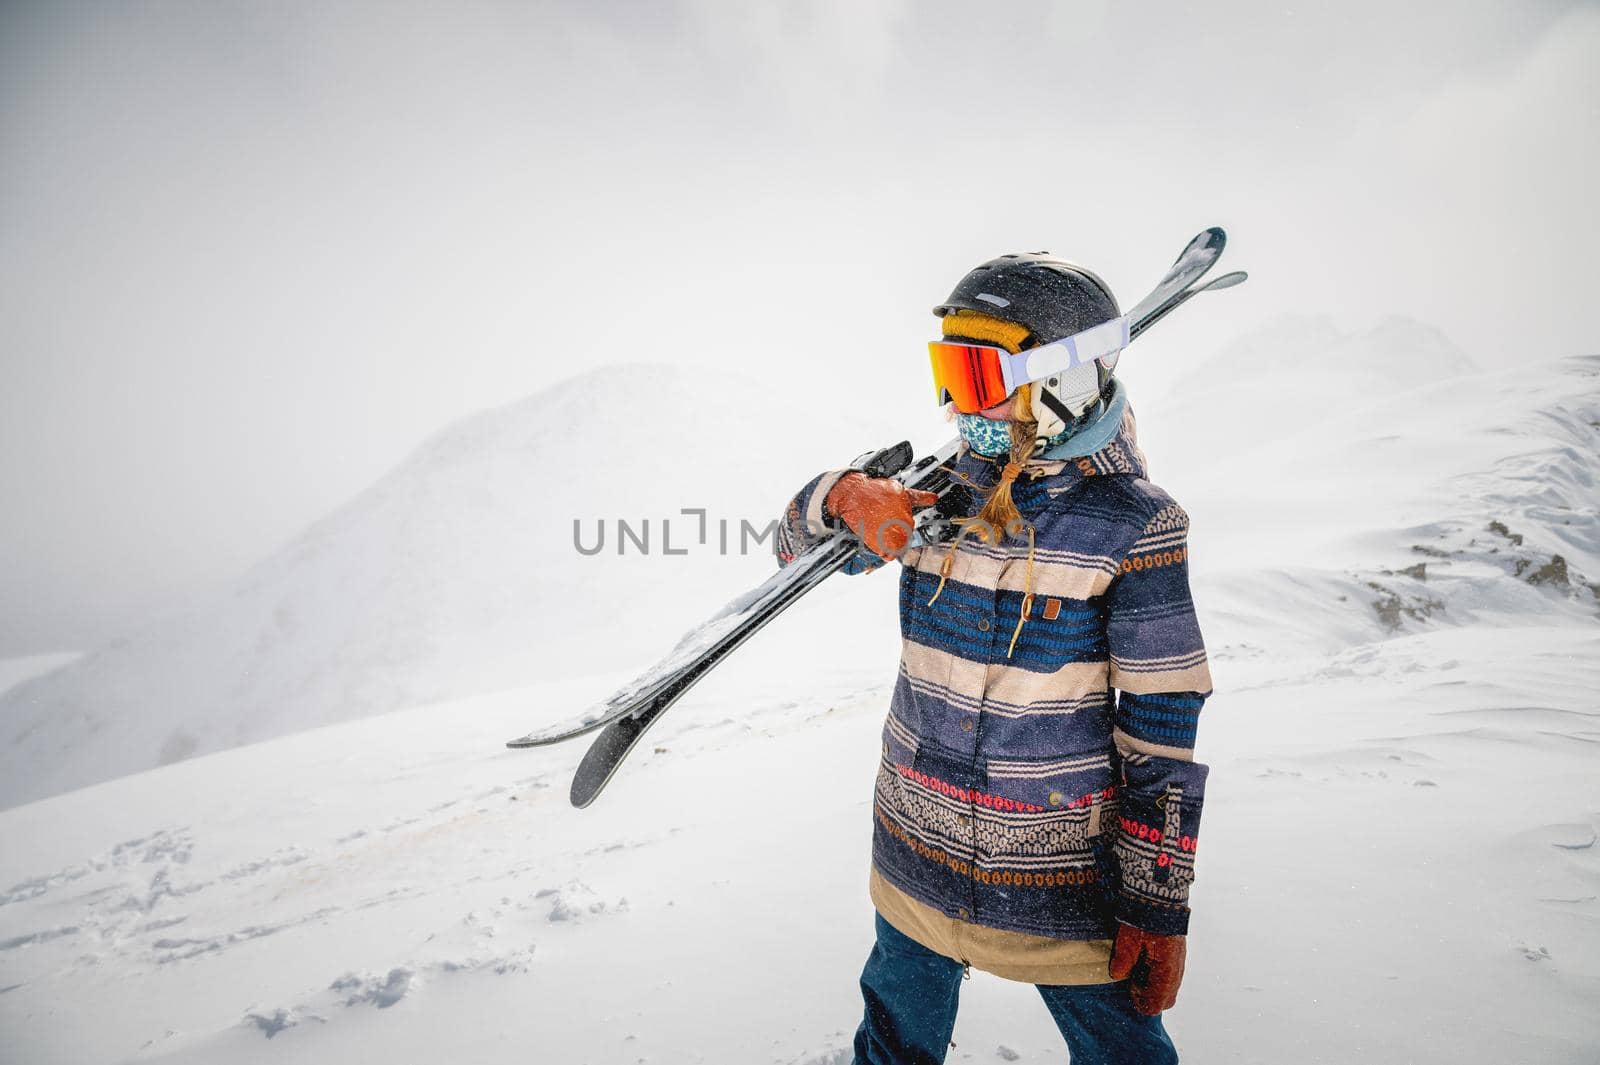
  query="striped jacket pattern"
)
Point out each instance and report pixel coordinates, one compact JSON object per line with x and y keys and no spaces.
{"x":1037,"y":784}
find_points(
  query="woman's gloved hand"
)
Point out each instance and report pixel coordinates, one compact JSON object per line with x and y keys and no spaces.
{"x":877,"y":509}
{"x":1154,"y":962}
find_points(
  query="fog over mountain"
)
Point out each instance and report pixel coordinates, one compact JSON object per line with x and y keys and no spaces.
{"x":456,"y":573}
{"x":254,"y":254}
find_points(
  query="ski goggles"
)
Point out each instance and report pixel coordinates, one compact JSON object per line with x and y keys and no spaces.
{"x":975,"y":377}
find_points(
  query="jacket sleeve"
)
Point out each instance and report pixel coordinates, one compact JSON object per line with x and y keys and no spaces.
{"x":1159,"y":669}
{"x":805,"y":521}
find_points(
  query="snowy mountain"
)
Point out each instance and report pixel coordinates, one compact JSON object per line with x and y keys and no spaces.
{"x":1396,"y":578}
{"x":1353,"y":491}
{"x":456,"y":573}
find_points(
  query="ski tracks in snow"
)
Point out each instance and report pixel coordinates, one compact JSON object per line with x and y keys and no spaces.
{"x":411,"y":897}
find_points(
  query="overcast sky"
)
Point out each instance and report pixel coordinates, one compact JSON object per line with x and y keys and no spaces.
{"x":251,"y":254}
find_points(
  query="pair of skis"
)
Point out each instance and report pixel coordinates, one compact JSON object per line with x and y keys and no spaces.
{"x":625,"y":716}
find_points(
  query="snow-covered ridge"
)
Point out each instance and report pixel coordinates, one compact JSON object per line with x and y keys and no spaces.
{"x":1371,"y":498}
{"x":455,"y":573}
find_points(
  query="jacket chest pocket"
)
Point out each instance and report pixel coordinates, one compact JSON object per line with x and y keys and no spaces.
{"x":954,"y":612}
{"x":1057,"y":630}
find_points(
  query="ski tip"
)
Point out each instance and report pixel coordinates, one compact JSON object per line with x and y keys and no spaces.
{"x":1208,"y":243}
{"x":1229,"y":280}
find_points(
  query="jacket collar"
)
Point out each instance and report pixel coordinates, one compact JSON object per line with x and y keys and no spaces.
{"x":1098,"y":433}
{"x":1061,"y":468}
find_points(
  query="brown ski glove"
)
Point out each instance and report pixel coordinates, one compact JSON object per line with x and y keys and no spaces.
{"x":877,"y":509}
{"x":1154,"y":962}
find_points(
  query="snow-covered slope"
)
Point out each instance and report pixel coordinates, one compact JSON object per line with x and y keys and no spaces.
{"x":1400,"y":866}
{"x":1376,"y":493}
{"x":1401,"y":859}
{"x":456,"y":573}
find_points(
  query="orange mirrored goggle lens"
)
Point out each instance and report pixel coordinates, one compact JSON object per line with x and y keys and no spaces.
{"x":969,"y":374}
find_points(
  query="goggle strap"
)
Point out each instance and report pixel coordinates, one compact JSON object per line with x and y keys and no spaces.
{"x":1058,"y":356}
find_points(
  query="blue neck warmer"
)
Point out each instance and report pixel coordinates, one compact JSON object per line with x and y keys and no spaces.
{"x":992,"y":438}
{"x":986,"y":436}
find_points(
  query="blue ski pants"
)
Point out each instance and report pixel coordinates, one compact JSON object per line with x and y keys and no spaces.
{"x":911,"y":994}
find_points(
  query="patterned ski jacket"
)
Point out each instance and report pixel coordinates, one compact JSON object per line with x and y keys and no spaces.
{"x":1037,"y":781}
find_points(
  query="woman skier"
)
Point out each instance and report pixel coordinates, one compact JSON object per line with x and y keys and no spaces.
{"x":1037,"y":801}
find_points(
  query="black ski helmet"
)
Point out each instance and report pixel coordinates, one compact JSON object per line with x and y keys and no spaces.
{"x":1051,"y":298}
